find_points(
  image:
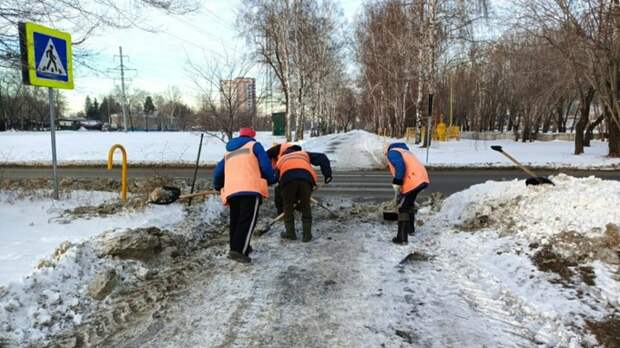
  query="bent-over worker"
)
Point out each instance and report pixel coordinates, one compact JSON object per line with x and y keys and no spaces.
{"x":242,"y":177}
{"x":409,"y":179}
{"x":298,"y":179}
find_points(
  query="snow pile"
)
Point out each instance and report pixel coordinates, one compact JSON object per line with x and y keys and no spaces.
{"x":212,"y":209}
{"x":352,"y":150}
{"x":53,"y":298}
{"x":583,"y":206}
{"x":33,"y":226}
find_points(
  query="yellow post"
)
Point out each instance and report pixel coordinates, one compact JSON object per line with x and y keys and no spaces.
{"x":123,"y":168}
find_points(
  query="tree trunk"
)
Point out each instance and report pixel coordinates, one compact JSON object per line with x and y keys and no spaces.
{"x":584,"y":114}
{"x":590,"y":130}
{"x":614,"y":136}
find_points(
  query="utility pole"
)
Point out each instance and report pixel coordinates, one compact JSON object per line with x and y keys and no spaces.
{"x":123,"y":69}
{"x":124,"y":103}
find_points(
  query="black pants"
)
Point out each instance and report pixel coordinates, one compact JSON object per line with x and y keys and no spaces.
{"x":277,"y":197}
{"x":243,"y":217}
{"x":296,"y":191}
{"x":407,"y":206}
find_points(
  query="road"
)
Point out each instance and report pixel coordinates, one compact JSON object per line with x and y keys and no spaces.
{"x":360,"y":185}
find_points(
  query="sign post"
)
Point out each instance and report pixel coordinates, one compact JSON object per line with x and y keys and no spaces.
{"x":47,"y":61}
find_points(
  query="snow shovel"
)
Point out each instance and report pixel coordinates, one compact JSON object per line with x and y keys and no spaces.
{"x":267,"y":227}
{"x":534,"y":179}
{"x":168,"y":194}
{"x":331,"y":212}
{"x":391,"y":213}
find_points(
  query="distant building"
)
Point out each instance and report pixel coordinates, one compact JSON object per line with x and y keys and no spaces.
{"x":243,"y":91}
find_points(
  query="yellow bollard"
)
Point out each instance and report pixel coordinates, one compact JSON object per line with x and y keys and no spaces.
{"x":123,"y":168}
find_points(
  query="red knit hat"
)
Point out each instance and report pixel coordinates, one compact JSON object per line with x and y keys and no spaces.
{"x":247,"y":132}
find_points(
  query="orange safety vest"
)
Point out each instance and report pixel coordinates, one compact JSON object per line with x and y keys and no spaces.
{"x":283,"y":148}
{"x":296,"y":160}
{"x":242,"y":173}
{"x":415,"y":173}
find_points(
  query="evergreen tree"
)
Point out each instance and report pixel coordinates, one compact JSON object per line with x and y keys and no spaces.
{"x":149,"y":107}
{"x":104,"y":110}
{"x":95,"y":112}
{"x":88,"y":105}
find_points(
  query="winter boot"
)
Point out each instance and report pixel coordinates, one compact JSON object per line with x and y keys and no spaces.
{"x":307,"y":228}
{"x":289,"y":232}
{"x":412,"y":221}
{"x":239,"y":257}
{"x":403,"y":229}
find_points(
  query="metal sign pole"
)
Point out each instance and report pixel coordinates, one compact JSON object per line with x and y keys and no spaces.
{"x":53,"y":133}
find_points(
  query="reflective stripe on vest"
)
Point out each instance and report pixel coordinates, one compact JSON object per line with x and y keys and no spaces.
{"x":296,"y":160}
{"x":415,"y":172}
{"x":242,"y":173}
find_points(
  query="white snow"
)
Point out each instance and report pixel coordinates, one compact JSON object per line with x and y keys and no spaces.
{"x":37,"y":303}
{"x":347,"y":287}
{"x":536,"y":213}
{"x":154,"y":148}
{"x":32,"y":229}
{"x":352,"y":150}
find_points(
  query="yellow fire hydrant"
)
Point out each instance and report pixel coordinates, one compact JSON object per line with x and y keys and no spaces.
{"x":123,"y":168}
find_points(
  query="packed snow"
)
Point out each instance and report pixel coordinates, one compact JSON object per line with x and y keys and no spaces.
{"x":469,"y":277}
{"x":34,"y":225}
{"x":536,"y":213}
{"x":352,"y":150}
{"x":37,"y":303}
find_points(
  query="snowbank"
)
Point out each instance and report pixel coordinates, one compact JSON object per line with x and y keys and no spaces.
{"x":33,"y":226}
{"x":52,"y":298}
{"x":583,"y":206}
{"x":348,"y":151}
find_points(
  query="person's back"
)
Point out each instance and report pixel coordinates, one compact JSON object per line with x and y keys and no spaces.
{"x":242,"y":177}
{"x":298,"y":179}
{"x":409,"y":179}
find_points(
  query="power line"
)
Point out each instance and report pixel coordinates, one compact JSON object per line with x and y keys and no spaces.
{"x":122,"y":68}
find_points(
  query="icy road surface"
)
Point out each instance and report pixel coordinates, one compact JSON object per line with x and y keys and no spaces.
{"x":348,"y":288}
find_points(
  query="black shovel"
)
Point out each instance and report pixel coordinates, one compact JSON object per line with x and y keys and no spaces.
{"x":169,"y":194}
{"x":534,"y":179}
{"x":391,"y":213}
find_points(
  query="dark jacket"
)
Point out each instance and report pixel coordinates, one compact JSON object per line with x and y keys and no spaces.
{"x":316,"y":159}
{"x":396,"y":159}
{"x":263,"y":161}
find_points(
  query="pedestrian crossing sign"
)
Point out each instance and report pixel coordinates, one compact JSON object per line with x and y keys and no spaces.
{"x":46,"y":56}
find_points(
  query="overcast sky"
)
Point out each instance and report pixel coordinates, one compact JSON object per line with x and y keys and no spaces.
{"x":160,"y":58}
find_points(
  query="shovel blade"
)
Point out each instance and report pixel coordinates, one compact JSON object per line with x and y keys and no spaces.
{"x":164,"y":195}
{"x":390,"y":215}
{"x":540,"y":180}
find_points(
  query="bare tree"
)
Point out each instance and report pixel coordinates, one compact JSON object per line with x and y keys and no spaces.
{"x":224,"y":106}
{"x":299,"y":41}
{"x":81,"y":18}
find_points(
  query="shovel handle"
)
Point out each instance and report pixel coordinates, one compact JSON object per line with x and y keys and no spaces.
{"x":196,"y":194}
{"x":323,"y":206}
{"x":500,"y":150}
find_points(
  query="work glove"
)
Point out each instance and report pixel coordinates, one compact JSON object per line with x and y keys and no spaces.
{"x":398,"y":182}
{"x":396,"y":189}
{"x":328,"y":179}
{"x":397,"y":194}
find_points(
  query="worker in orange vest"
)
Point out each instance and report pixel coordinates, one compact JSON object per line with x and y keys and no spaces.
{"x":242,"y":178}
{"x":274,"y":153}
{"x":409,"y":179}
{"x":298,"y":179}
